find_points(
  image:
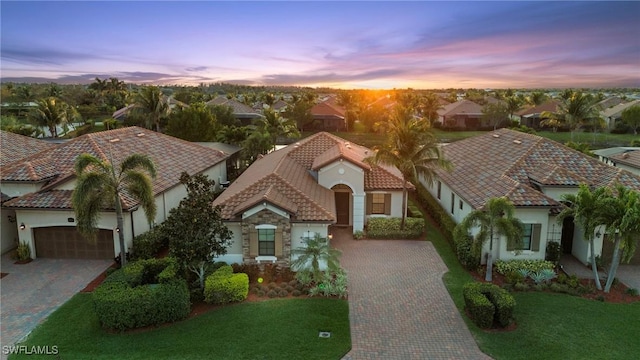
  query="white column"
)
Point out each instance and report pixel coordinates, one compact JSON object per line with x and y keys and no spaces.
{"x":358,"y":212}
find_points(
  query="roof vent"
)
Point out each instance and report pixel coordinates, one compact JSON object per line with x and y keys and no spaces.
{"x":496,"y":135}
{"x":625,"y":155}
{"x":140,"y":134}
{"x":517,"y":142}
{"x":114,"y":140}
{"x":347,"y":144}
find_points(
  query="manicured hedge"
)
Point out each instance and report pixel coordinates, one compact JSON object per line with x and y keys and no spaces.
{"x":147,"y":245}
{"x":223,"y":286}
{"x":143,"y":293}
{"x":389,"y":228}
{"x":488,"y":303}
{"x":436,"y":211}
{"x":505,"y":267}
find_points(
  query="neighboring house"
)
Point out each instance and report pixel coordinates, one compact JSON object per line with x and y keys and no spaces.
{"x":614,"y":114}
{"x":605,"y":155}
{"x":298,"y":191}
{"x":40,"y":188}
{"x":609,"y":102}
{"x":629,"y":161}
{"x":532,"y":116}
{"x":460,"y":114}
{"x":533,"y":172}
{"x":14,"y":147}
{"x":280,"y":106}
{"x":328,"y":116}
{"x":244,"y":113}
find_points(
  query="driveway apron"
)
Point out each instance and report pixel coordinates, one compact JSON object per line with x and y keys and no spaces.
{"x":30,"y":292}
{"x":399,"y":307}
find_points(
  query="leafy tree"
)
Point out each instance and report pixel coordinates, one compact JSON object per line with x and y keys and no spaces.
{"x":348,"y":100}
{"x":152,"y":105}
{"x":574,"y":109}
{"x":631,"y":117}
{"x":374,"y":117}
{"x":537,"y":98}
{"x":582,"y":207}
{"x":99,"y":186}
{"x":224,"y":115}
{"x":300,"y":112}
{"x":411,"y":147}
{"x":495,"y":114}
{"x":494,"y":220}
{"x":233,"y":135}
{"x":620,"y":213}
{"x":193,"y":123}
{"x":259,"y":142}
{"x":428,"y":106}
{"x":277,"y":126}
{"x":195,"y":229}
{"x":315,"y":250}
{"x":514,"y":103}
{"x":52,"y":113}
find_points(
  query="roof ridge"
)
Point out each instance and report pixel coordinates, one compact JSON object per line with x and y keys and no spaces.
{"x":300,"y":192}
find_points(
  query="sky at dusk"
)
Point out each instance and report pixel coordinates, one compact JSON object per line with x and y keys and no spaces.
{"x":336,"y":44}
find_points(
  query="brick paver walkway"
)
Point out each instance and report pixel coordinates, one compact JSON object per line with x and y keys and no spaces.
{"x":399,"y":306}
{"x":33,"y":291}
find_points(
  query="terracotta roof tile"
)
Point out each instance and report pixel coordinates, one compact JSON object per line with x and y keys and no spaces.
{"x":629,"y":158}
{"x":510,"y":163}
{"x":170,"y":155}
{"x":14,"y":147}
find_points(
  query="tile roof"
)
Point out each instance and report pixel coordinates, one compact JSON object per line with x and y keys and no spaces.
{"x":616,"y":111}
{"x":284,"y":178}
{"x":14,"y":147}
{"x":549,"y":105}
{"x":460,"y":107}
{"x":510,"y":163}
{"x":238,"y":107}
{"x":324,"y":109}
{"x":629,"y":158}
{"x":170,"y":155}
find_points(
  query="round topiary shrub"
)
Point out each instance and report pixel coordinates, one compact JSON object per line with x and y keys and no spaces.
{"x":260,"y":293}
{"x":272,"y":293}
{"x":296,"y":293}
{"x":283,"y":293}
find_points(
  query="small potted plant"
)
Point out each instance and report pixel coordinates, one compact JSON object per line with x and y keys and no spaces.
{"x":23,"y":253}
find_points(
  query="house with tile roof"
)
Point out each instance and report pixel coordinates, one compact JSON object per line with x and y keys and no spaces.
{"x":14,"y":147}
{"x":629,"y":161}
{"x":244,"y":113}
{"x":613,"y":114}
{"x":534,"y":173}
{"x":299,"y":191}
{"x":460,"y":114}
{"x":40,"y":188}
{"x":532,"y":116}
{"x":328,"y":116}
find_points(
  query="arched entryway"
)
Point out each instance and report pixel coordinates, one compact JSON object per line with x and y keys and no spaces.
{"x":344,"y":204}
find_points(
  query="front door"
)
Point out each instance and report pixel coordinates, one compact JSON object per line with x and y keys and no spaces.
{"x":342,"y":208}
{"x":567,"y":235}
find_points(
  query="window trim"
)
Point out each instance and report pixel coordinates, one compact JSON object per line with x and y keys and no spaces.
{"x":374,"y":205}
{"x":269,"y":231}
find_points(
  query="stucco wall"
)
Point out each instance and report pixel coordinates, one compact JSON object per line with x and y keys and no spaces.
{"x":9,"y":231}
{"x":234,"y":251}
{"x":346,"y":173}
{"x":396,"y":204}
{"x":18,"y":189}
{"x":628,"y":168}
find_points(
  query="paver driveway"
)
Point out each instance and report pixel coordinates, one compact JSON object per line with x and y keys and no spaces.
{"x":33,"y":291}
{"x":399,"y":307}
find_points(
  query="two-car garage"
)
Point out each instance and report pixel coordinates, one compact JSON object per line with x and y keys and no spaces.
{"x":65,"y":242}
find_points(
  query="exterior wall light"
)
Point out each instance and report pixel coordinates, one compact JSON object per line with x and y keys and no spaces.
{"x":22,"y":226}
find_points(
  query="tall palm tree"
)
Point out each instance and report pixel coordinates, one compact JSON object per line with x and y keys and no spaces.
{"x":583,"y":207}
{"x":429,"y":105}
{"x":494,"y":220}
{"x":412,"y":148}
{"x":151,"y":103}
{"x":99,"y":185}
{"x":277,"y":126}
{"x":574,"y":109}
{"x":620,"y":213}
{"x":52,"y":113}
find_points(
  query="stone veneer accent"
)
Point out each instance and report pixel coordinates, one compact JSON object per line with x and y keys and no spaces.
{"x":270,"y":218}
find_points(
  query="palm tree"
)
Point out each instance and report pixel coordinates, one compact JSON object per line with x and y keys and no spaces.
{"x":620,"y":213}
{"x":52,"y":113}
{"x":494,"y":220}
{"x":583,"y":207}
{"x":151,"y":103}
{"x":412,"y":148}
{"x":575,"y":108}
{"x":277,"y":126}
{"x":99,"y":186}
{"x":313,"y":251}
{"x":428,"y":107}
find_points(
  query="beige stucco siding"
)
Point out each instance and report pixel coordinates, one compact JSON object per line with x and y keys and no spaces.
{"x":234,"y":251}
{"x":9,"y":230}
{"x":346,"y":173}
{"x":18,"y":189}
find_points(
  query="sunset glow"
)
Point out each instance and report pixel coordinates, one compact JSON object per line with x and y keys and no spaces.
{"x":335,"y":44}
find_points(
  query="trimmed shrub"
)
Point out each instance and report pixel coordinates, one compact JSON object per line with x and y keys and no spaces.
{"x":389,"y":228}
{"x":505,"y":267}
{"x":437,"y":212}
{"x":487,"y":303}
{"x":554,"y":252}
{"x":147,"y":245}
{"x":223,"y":286}
{"x":143,"y":293}
{"x":467,"y":251}
{"x":272,"y":293}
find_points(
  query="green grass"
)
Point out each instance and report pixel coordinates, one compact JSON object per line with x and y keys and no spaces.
{"x":549,"y":326}
{"x":274,"y":329}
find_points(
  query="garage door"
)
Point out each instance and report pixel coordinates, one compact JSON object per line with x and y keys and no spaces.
{"x":67,"y":242}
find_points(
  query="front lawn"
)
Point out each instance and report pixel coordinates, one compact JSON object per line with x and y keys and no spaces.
{"x":274,"y":329}
{"x":549,"y":326}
